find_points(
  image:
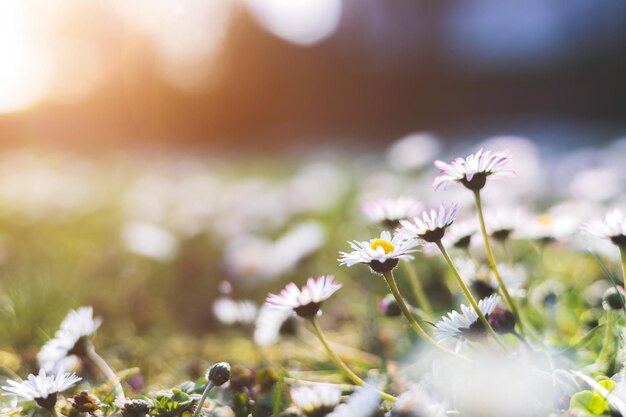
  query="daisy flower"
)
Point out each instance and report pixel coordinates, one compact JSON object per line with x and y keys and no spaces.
{"x":381,"y":254}
{"x":271,"y":323}
{"x":316,"y":400}
{"x":305,"y":302}
{"x":613,"y":227}
{"x":41,"y":388}
{"x":390,"y":211}
{"x":473,"y":171}
{"x":70,"y":341}
{"x":431,"y":226}
{"x":364,"y":402}
{"x":416,"y":402}
{"x":459,"y":235}
{"x":466,"y":323}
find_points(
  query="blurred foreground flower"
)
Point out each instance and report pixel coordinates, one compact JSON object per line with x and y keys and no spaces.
{"x":41,"y":388}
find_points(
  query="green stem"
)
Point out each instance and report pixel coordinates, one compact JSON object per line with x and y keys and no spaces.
{"x":341,"y":364}
{"x":492,"y":262}
{"x":608,"y":340}
{"x":205,"y":394}
{"x":469,"y":295}
{"x":391,"y":282}
{"x":106,"y":370}
{"x":622,"y":252}
{"x":418,"y":290}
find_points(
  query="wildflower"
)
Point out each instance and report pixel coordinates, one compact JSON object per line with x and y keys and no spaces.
{"x":229,"y":311}
{"x":70,"y":341}
{"x":465,"y":324}
{"x":381,"y":254}
{"x":305,"y":302}
{"x":83,"y":402}
{"x":132,"y":408}
{"x":316,"y":400}
{"x":271,"y":323}
{"x":431,"y":227}
{"x":613,"y":227}
{"x":459,"y":235}
{"x":502,"y":320}
{"x":416,"y":402}
{"x":613,"y":298}
{"x":473,"y":171}
{"x":218,"y":374}
{"x":41,"y":388}
{"x":389,"y":211}
{"x":389,"y":306}
{"x":363,"y":403}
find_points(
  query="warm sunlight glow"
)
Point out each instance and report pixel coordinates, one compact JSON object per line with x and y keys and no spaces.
{"x":25,"y":69}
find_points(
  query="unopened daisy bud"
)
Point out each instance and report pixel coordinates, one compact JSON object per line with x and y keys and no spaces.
{"x":85,"y":403}
{"x":502,"y":320}
{"x":389,"y":306}
{"x":613,"y":298}
{"x":133,"y":408}
{"x":219,"y":374}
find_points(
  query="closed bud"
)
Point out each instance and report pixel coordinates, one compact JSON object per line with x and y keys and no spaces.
{"x":219,"y":374}
{"x":502,"y":320}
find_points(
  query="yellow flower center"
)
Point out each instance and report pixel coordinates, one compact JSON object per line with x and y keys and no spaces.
{"x":382,"y":243}
{"x":544,"y":219}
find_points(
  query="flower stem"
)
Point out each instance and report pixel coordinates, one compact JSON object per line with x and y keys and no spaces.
{"x":341,"y":364}
{"x":622,"y":252}
{"x":418,"y":290}
{"x":608,"y":340}
{"x":106,"y":370}
{"x":391,"y":282}
{"x":492,"y":262}
{"x":203,"y":398}
{"x":469,"y":295}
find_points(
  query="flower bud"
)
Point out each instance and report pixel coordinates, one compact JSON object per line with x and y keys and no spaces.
{"x":389,"y":306}
{"x":613,"y":298}
{"x":219,"y":374}
{"x":502,"y":320}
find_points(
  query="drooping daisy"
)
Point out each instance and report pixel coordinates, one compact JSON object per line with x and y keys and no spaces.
{"x":613,"y":227}
{"x":473,"y":171}
{"x":41,"y":388}
{"x":272,"y":322}
{"x":316,"y":400}
{"x":381,"y":254}
{"x":465,"y":324}
{"x":70,"y":341}
{"x":389,"y":211}
{"x":305,"y":302}
{"x":431,"y":226}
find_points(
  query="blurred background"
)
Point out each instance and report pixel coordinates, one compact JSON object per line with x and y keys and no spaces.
{"x":265,"y":74}
{"x":152,"y":156}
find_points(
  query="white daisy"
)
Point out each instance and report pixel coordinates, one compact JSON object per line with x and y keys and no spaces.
{"x":381,"y":254}
{"x":229,"y":311}
{"x":364,"y":402}
{"x":317,"y":399}
{"x":389,"y":211}
{"x":431,"y":227}
{"x":41,"y":388}
{"x":271,"y":323}
{"x":459,"y":235}
{"x":69,"y":341}
{"x":307,"y":301}
{"x":465,"y":324}
{"x":473,"y":171}
{"x":613,"y":227}
{"x":416,"y":402}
